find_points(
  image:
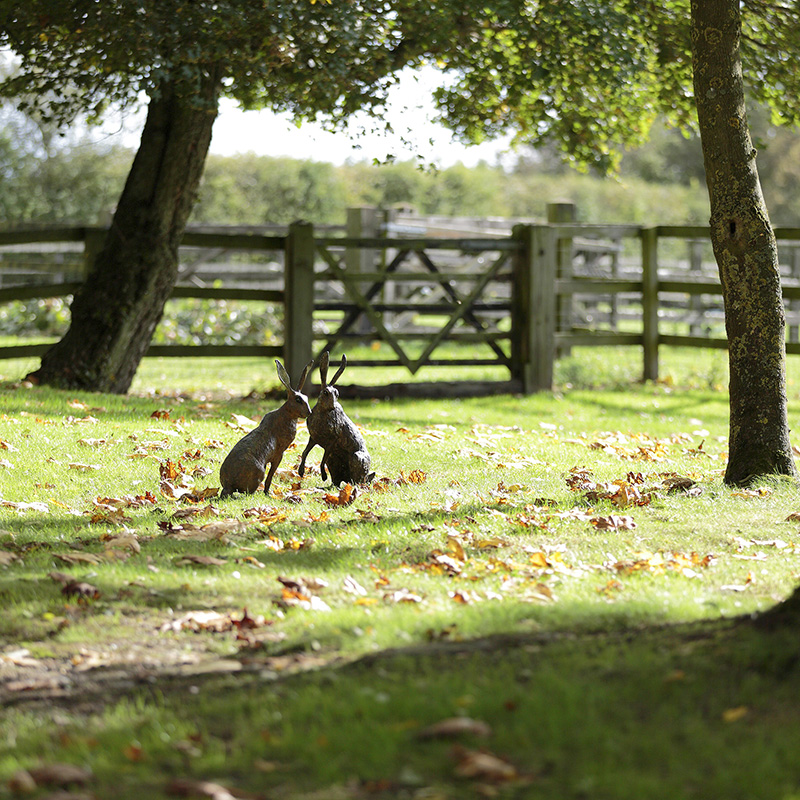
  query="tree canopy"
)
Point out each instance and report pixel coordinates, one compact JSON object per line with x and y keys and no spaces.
{"x":590,"y":76}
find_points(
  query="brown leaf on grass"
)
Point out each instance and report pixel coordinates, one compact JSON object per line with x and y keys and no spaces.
{"x":680,"y":483}
{"x":762,"y":491}
{"x":7,"y":446}
{"x":613,"y":522}
{"x":309,"y":520}
{"x":211,"y":531}
{"x":188,"y":787}
{"x":160,"y":413}
{"x":735,"y":714}
{"x":416,"y":476}
{"x":198,"y":621}
{"x":122,"y":541}
{"x":267,"y":515}
{"x":484,"y":766}
{"x":6,"y":558}
{"x":84,"y":467}
{"x":57,"y":774}
{"x":665,"y":561}
{"x":193,"y":512}
{"x":107,"y":515}
{"x":78,"y":558}
{"x":128,"y":501}
{"x":203,"y":561}
{"x":352,"y":586}
{"x":70,"y":420}
{"x":739,"y":587}
{"x":24,"y":506}
{"x":81,"y":590}
{"x":299,"y":593}
{"x":464,"y":597}
{"x":247,"y":622}
{"x":347,"y":494}
{"x":454,"y":727}
{"x":170,"y":470}
{"x":446,"y":563}
{"x":241,"y":423}
{"x":402,"y":596}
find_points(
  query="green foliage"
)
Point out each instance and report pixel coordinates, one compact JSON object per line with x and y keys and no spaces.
{"x":47,"y":178}
{"x":258,"y":190}
{"x":219,"y":322}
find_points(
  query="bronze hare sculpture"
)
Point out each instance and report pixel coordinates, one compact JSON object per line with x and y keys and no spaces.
{"x":244,"y":467}
{"x":345,"y":452}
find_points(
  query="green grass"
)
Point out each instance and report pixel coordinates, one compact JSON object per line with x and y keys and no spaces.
{"x":608,"y":661}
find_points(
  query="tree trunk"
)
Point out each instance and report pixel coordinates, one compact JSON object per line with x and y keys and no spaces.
{"x":117,"y":309}
{"x":745,"y":250}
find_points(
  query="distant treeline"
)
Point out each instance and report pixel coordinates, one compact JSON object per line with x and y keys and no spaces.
{"x":43,"y":179}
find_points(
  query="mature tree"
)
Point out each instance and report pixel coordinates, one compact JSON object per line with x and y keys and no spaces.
{"x":745,"y":250}
{"x":589,"y":75}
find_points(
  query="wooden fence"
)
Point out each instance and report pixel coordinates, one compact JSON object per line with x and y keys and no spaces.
{"x":522,"y":301}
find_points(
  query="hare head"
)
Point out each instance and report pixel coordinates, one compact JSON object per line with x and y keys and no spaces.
{"x":328,"y":393}
{"x":296,"y":403}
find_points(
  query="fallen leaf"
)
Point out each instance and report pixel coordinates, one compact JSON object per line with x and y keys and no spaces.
{"x":187,"y":787}
{"x":24,"y":506}
{"x":80,"y":589}
{"x":59,"y":775}
{"x":352,"y":586}
{"x":203,"y":561}
{"x":84,"y":467}
{"x":454,"y":727}
{"x":735,"y":714}
{"x":613,"y":522}
{"x":402,"y":596}
{"x":78,"y":558}
{"x":199,"y":621}
{"x":484,"y":766}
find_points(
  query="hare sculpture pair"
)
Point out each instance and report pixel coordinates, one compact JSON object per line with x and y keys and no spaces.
{"x":344,"y":450}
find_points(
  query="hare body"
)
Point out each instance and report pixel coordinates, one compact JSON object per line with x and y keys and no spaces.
{"x":345,"y":451}
{"x":246,"y":464}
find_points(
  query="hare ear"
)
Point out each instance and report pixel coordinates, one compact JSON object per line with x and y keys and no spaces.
{"x":306,"y":370}
{"x":283,"y":374}
{"x":339,"y":371}
{"x":323,"y":368}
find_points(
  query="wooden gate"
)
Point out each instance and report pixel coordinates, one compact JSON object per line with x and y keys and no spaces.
{"x":416,"y":294}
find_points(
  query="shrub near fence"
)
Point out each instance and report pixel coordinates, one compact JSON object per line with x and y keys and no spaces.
{"x":514,"y":300}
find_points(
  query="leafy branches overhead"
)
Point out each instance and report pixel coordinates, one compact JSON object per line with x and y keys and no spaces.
{"x":589,"y":75}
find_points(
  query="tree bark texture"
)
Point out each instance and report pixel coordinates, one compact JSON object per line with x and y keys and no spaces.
{"x":745,"y":250}
{"x":122,"y":300}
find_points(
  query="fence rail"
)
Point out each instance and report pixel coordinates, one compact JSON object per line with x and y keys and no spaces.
{"x":516,"y":300}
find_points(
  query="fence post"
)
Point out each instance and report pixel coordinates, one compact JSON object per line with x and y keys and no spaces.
{"x":363,"y":222}
{"x":533,"y":307}
{"x":650,"y":303}
{"x":559,"y":213}
{"x":298,"y":334}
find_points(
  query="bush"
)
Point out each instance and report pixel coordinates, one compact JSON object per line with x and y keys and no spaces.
{"x":184,"y":321}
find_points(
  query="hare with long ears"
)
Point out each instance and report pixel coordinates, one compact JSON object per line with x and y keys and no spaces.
{"x":345,"y":452}
{"x":244,"y":467}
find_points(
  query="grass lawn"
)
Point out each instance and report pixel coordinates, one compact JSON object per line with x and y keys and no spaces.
{"x":542,"y":596}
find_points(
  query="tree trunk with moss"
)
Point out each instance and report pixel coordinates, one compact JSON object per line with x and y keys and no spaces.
{"x":745,"y":250}
{"x":122,"y":300}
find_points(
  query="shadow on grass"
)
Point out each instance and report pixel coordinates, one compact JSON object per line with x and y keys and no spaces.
{"x":699,"y":711}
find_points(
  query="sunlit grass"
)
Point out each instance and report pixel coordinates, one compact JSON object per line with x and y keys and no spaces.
{"x":573,"y":671}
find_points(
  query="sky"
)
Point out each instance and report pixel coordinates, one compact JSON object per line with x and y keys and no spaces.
{"x":410,"y":113}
